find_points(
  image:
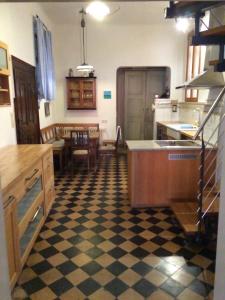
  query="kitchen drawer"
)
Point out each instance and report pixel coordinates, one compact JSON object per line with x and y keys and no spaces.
{"x":32,"y":175}
{"x":23,"y":224}
{"x":30,"y":234}
{"x":28,"y":200}
{"x":49,"y":196}
{"x":15,"y":192}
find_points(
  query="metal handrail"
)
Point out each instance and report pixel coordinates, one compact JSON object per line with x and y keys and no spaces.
{"x":210,"y":112}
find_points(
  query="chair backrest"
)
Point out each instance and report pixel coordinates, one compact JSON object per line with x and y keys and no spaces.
{"x":118,"y":136}
{"x":79,"y":139}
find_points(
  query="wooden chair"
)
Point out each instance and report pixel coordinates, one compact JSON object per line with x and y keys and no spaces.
{"x":80,"y":147}
{"x":110,"y":146}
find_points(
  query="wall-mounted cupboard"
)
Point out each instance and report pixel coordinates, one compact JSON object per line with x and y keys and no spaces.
{"x":4,"y":75}
{"x":81,"y":93}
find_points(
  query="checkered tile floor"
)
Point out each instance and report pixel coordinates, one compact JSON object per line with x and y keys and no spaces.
{"x":95,"y":246}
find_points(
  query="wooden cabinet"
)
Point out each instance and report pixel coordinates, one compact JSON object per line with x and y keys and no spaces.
{"x":4,"y":73}
{"x":28,"y":194}
{"x":81,"y":93}
{"x":11,"y":240}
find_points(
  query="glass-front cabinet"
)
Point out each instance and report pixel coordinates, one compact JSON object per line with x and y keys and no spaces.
{"x":4,"y":59}
{"x":81,"y":93}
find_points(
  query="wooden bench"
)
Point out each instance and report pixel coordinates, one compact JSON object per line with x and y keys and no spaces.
{"x":53,"y":135}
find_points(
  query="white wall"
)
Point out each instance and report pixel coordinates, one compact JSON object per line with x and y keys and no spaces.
{"x":112,"y":46}
{"x":16,"y":30}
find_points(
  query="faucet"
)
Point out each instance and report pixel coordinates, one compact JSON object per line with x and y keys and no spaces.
{"x":198,"y":120}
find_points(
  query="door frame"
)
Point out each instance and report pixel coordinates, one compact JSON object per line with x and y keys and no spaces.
{"x":120,"y":91}
{"x":18,"y":60}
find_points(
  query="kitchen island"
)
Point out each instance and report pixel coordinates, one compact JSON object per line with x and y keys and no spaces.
{"x":160,"y":172}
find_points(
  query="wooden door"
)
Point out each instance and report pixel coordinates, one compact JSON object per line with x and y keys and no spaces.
{"x":26,"y":103}
{"x":135,"y":87}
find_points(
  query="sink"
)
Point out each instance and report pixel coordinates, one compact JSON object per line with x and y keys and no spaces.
{"x":183,"y":126}
{"x":181,"y":143}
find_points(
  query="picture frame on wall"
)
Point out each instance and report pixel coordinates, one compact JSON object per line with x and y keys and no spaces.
{"x":47,"y":109}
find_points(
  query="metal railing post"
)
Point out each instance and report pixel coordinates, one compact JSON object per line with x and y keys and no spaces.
{"x":201,"y":183}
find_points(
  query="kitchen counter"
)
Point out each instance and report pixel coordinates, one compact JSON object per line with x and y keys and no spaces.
{"x":16,"y":159}
{"x":186,"y":132}
{"x":151,"y":145}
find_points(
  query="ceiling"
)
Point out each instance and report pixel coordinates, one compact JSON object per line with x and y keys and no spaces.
{"x":124,"y":12}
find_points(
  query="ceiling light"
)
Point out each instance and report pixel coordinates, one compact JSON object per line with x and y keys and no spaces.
{"x":182,"y":24}
{"x":84,"y":67}
{"x":98,"y":10}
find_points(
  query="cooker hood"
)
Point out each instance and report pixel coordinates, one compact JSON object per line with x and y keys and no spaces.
{"x":206,"y":80}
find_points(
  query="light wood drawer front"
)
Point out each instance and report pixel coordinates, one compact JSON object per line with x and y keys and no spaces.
{"x":48,"y":159}
{"x":30,"y":213}
{"x":14,"y":193}
{"x":49,"y":196}
{"x":32,"y":175}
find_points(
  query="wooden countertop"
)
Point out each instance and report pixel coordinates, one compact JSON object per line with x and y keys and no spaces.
{"x":16,"y":159}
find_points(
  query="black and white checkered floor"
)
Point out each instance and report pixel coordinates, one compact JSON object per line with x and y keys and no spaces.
{"x":95,"y":246}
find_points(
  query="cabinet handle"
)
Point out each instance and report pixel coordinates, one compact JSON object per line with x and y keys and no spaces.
{"x":34,"y":172}
{"x":36,"y":214}
{"x":33,"y":183}
{"x":10,"y":200}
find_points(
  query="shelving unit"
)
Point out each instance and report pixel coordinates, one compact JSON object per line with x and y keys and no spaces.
{"x":81,"y":93}
{"x":4,"y":75}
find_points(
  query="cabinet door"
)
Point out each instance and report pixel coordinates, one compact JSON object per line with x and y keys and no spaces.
{"x":88,"y":94}
{"x":11,"y":240}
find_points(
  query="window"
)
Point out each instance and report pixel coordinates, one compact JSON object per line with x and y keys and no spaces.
{"x":195,"y":66}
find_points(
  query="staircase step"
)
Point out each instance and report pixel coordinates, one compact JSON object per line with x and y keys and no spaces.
{"x":186,"y":214}
{"x":188,"y":222}
{"x":214,"y":208}
{"x":216,"y":31}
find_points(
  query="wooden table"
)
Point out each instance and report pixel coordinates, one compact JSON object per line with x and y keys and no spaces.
{"x":94,"y":142}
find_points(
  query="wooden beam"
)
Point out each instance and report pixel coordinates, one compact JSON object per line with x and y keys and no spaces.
{"x":216,"y":31}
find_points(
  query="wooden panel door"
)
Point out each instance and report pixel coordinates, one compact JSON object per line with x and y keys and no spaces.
{"x":26,"y":103}
{"x":135,"y":86}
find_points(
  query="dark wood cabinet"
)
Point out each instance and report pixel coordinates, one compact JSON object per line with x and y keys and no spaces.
{"x":81,"y":93}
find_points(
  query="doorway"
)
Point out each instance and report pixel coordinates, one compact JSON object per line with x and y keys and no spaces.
{"x":136,"y":91}
{"x":26,"y":103}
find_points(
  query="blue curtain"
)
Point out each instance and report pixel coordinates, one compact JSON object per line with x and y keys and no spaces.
{"x":44,"y":61}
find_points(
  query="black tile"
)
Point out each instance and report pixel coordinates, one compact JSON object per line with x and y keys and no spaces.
{"x":192,"y":269}
{"x":172,"y":287}
{"x":55,"y":239}
{"x":200,"y":287}
{"x":155,"y":229}
{"x":47,"y":252}
{"x":144,"y":287}
{"x":79,"y":229}
{"x":141,"y":268}
{"x":158,"y":240}
{"x":91,"y":268}
{"x":96,"y":239}
{"x":117,"y":252}
{"x":94,"y":252}
{"x":71,"y":252}
{"x":33,"y":285}
{"x":136,"y":229}
{"x":117,"y":229}
{"x":187,"y":254}
{"x":76,"y":239}
{"x":116,"y":287}
{"x":59,"y":229}
{"x":138,"y":240}
{"x":89,"y":286}
{"x":116,"y":268}
{"x":41,"y":267}
{"x":61,"y":286}
{"x":63,"y":220}
{"x":139,"y":253}
{"x":67,"y":267}
{"x":162,"y":252}
{"x":117,"y":239}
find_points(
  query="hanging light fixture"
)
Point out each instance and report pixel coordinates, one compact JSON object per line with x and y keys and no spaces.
{"x":84,"y":67}
{"x":98,"y":10}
